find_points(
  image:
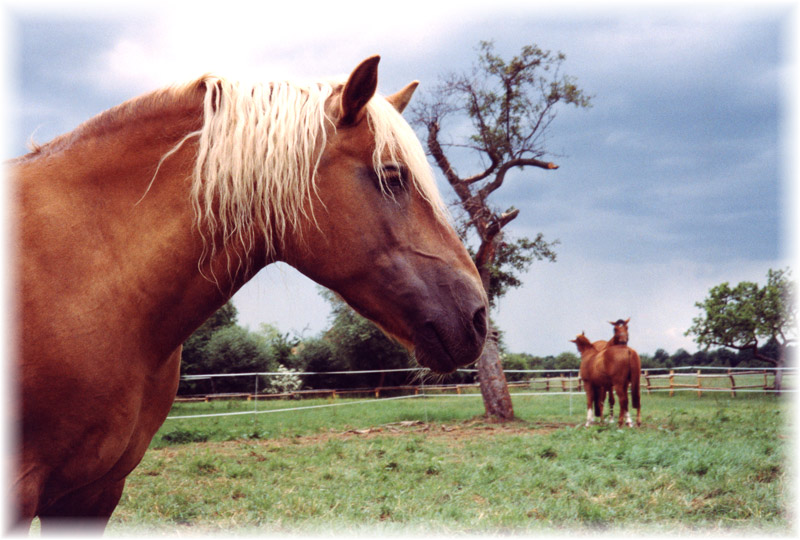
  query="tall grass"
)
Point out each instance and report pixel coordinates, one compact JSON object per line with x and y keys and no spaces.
{"x":714,"y":463}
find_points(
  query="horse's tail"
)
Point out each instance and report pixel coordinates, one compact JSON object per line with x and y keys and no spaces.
{"x":636,"y":372}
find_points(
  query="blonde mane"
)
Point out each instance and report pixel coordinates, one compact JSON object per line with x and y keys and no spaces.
{"x":258,"y":153}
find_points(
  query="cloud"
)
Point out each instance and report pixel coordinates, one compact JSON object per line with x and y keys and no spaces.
{"x":274,"y":40}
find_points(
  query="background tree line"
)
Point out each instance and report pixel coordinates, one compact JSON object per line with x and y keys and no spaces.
{"x":352,"y":343}
{"x":661,"y":359}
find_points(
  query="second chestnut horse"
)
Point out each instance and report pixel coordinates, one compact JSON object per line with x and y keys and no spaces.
{"x":610,"y":367}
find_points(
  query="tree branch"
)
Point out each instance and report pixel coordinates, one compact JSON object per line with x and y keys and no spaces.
{"x":442,"y":162}
{"x":507,"y":166}
{"x":508,"y":216}
{"x":495,"y":161}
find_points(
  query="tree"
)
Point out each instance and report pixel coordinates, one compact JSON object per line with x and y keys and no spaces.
{"x":280,"y":344}
{"x":193,"y":355}
{"x":750,"y":318}
{"x":353,"y":343}
{"x":220,"y":345}
{"x":509,"y":107}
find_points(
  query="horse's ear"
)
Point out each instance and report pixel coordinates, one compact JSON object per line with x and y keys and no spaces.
{"x":400,"y":99}
{"x":358,"y":90}
{"x":627,"y":321}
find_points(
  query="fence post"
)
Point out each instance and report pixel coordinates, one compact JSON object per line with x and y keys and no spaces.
{"x":699,"y":384}
{"x":765,"y":380}
{"x":733,"y":383}
{"x":671,"y":383}
{"x":647,"y":381}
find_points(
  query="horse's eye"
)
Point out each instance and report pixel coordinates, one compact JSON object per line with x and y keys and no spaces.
{"x":394,"y":177}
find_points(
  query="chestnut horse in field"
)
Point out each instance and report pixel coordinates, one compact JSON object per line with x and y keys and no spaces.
{"x":609,"y":367}
{"x":137,"y":226}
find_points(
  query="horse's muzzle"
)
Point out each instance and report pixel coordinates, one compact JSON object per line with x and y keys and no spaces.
{"x":444,"y":343}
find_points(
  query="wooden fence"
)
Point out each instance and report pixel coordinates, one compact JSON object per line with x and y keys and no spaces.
{"x":711,"y":382}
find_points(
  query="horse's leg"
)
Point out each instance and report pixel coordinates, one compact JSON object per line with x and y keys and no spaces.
{"x":599,"y":400}
{"x":622,"y":394}
{"x":610,"y":405}
{"x":589,"y":403}
{"x":84,"y":511}
{"x":27,"y":491}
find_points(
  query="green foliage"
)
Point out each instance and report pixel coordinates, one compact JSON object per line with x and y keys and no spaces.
{"x":744,"y":316}
{"x":566,"y":361}
{"x":511,"y":102}
{"x":193,"y":349}
{"x":235,"y":349}
{"x":356,"y":344}
{"x":222,"y":346}
{"x":660,"y":360}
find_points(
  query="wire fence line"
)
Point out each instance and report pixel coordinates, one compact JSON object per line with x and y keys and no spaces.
{"x":569,"y":386}
{"x":287,"y":409}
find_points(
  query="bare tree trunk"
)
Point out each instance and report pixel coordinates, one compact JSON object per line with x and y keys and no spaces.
{"x":494,"y":388}
{"x":492,"y":378}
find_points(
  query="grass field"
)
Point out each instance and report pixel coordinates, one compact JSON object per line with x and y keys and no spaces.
{"x":431,"y":465}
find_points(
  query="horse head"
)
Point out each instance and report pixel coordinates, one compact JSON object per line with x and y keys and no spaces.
{"x":620,"y":331}
{"x":378,"y":234}
{"x":582,"y":342}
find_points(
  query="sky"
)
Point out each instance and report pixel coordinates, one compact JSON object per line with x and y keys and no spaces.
{"x":680,"y":177}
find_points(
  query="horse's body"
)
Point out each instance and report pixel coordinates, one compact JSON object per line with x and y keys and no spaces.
{"x":609,"y":368}
{"x":137,"y":226}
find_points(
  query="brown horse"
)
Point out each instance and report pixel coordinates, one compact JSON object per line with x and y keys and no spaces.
{"x":620,"y":337}
{"x":609,"y":368}
{"x":137,"y":226}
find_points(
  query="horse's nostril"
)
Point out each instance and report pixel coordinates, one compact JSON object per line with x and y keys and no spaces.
{"x":479,"y":322}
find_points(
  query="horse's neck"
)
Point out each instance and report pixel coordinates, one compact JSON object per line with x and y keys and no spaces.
{"x":133,"y":244}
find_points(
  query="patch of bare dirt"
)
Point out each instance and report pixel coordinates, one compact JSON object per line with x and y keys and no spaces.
{"x":471,"y":430}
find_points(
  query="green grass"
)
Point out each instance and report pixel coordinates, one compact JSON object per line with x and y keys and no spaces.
{"x":429,"y":465}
